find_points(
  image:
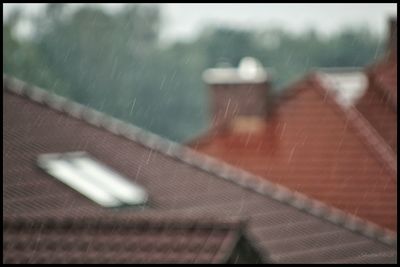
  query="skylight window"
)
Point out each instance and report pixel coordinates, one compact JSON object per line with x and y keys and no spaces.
{"x":93,"y":179}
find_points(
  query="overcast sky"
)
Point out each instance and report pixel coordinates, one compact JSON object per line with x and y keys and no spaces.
{"x":185,"y":20}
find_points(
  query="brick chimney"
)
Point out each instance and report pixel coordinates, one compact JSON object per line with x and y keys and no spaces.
{"x":392,"y":42}
{"x":238,"y":94}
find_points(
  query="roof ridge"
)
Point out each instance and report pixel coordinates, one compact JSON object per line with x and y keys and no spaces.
{"x":373,"y":137}
{"x":202,"y":162}
{"x":368,"y":133}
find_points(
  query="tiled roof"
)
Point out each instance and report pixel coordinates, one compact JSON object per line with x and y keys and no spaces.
{"x":104,"y":240}
{"x":379,"y":103}
{"x":282,"y":226}
{"x":314,"y":146}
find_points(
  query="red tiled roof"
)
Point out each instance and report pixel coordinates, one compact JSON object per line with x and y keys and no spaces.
{"x":182,"y":185}
{"x":315,"y":147}
{"x":379,"y":103}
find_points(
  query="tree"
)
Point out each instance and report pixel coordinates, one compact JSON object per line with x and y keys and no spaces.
{"x":114,"y":62}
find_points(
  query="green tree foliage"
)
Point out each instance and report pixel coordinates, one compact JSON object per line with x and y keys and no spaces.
{"x":113,"y":62}
{"x":22,"y":58}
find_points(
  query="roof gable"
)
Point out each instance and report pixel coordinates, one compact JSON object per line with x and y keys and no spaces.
{"x":315,"y":146}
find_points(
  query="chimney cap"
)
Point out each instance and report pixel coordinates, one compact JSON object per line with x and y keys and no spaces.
{"x":250,"y":70}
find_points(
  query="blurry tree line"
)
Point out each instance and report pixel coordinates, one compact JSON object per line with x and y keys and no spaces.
{"x":115,"y":62}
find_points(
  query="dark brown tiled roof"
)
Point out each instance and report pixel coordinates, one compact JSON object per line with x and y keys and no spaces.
{"x":111,"y":240}
{"x":282,"y":226}
{"x":314,"y":146}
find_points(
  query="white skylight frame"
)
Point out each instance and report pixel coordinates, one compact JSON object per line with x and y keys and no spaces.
{"x":93,"y":179}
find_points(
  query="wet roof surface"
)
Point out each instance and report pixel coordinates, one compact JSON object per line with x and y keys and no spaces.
{"x":279,"y":225}
{"x":315,"y":146}
{"x":95,"y":240}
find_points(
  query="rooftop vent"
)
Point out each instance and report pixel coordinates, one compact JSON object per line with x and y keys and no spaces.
{"x":250,"y":68}
{"x":93,"y":179}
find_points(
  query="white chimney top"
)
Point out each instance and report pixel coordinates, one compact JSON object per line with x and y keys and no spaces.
{"x":250,"y":70}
